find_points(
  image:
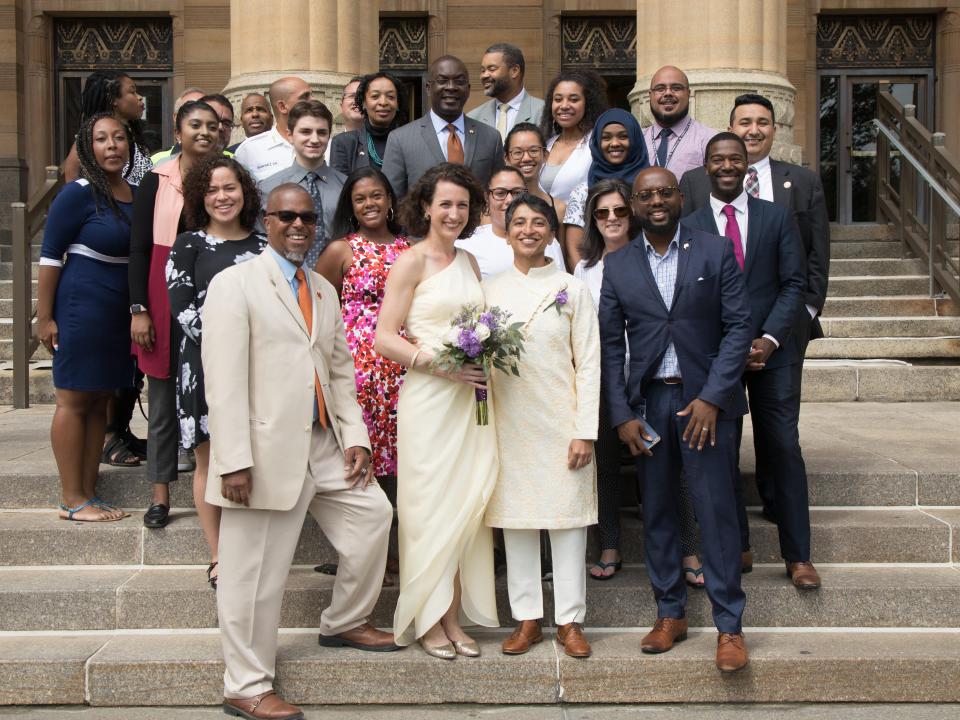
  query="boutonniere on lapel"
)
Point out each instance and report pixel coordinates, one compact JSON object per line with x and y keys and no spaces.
{"x":787,"y":185}
{"x":560,"y":301}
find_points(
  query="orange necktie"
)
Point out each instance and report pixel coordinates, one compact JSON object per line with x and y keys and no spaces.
{"x":306,"y":307}
{"x":454,"y":146}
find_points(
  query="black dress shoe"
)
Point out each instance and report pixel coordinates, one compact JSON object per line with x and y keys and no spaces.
{"x":156,"y":516}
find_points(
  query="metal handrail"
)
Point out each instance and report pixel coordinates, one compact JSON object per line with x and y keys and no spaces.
{"x":908,"y":156}
{"x":28,"y":219}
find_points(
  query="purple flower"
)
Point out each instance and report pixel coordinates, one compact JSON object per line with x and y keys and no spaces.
{"x":469,"y":343}
{"x":489,"y":319}
{"x":561,"y":298}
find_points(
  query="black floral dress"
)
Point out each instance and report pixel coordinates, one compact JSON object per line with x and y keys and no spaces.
{"x":193,"y":261}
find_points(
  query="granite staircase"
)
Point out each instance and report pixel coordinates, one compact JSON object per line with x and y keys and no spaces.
{"x":117,"y":615}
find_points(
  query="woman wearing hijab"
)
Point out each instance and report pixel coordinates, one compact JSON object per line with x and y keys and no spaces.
{"x":618,"y":152}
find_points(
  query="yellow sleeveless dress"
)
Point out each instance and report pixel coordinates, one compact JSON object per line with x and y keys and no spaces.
{"x":446,"y":470}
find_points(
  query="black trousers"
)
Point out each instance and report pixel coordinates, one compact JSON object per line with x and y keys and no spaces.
{"x":608,"y":453}
{"x":774,"y":395}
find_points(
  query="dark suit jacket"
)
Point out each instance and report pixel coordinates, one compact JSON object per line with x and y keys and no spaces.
{"x":800,"y":191}
{"x":708,"y":323}
{"x":414,"y":148}
{"x":774,"y":274}
{"x":348,"y":151}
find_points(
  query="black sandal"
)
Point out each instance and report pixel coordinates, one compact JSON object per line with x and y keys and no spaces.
{"x":138,"y":446}
{"x":212,"y":579}
{"x":117,"y":453}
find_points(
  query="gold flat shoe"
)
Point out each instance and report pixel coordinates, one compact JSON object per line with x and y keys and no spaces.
{"x":467,"y":649}
{"x":444,"y":652}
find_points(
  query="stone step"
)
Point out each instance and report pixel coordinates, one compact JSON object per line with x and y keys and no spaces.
{"x":41,"y":382}
{"x":145,"y":670}
{"x":6,"y":251}
{"x":844,"y":535}
{"x":6,"y":307}
{"x":889,"y":306}
{"x":856,"y":286}
{"x":891,"y":327}
{"x":91,"y":598}
{"x":827,"y":380}
{"x":885,"y":347}
{"x":865,"y":249}
{"x":6,"y":288}
{"x":6,"y":352}
{"x":862,"y":232}
{"x":876,"y":267}
{"x":6,"y":270}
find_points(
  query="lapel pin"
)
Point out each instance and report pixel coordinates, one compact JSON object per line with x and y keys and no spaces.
{"x":686,"y":246}
{"x":362,"y":153}
{"x":319,"y":295}
{"x":471,"y":131}
{"x":787,"y":184}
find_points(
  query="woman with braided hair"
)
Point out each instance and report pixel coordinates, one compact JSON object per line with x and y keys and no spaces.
{"x":82,"y":309}
{"x":114,"y":92}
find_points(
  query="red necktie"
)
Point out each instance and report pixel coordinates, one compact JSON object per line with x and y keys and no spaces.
{"x":306,"y":307}
{"x":732,"y":231}
{"x":454,"y":146}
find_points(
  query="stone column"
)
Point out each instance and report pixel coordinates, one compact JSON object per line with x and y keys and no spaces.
{"x":326,"y":42}
{"x":948,"y":62}
{"x":726,"y":47}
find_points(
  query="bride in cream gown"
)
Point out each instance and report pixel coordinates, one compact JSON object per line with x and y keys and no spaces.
{"x":446,"y":464}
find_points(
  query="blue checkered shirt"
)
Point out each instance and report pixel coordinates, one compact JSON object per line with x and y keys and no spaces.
{"x":664,"y":271}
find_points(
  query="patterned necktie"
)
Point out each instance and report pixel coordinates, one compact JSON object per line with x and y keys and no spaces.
{"x":663,"y":147}
{"x":752,"y":182}
{"x":306,"y":307}
{"x":320,"y":239}
{"x":454,"y":146}
{"x":502,"y":120}
{"x":732,"y":231}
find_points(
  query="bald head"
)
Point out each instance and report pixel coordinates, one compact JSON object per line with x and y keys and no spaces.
{"x":669,"y":95}
{"x":286,"y":92}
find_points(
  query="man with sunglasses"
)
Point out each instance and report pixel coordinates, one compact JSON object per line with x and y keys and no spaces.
{"x":681,"y":299}
{"x":287,"y":436}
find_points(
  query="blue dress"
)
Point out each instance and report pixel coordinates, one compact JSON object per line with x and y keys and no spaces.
{"x":92,"y":303}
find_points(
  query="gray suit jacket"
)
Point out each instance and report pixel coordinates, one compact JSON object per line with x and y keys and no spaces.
{"x":329,"y":189}
{"x":531,"y":108}
{"x":414,"y":148}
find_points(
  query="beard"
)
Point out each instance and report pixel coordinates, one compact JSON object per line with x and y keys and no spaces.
{"x":499,"y":86}
{"x":294,"y":257}
{"x":668,"y":228}
{"x":668,"y":121}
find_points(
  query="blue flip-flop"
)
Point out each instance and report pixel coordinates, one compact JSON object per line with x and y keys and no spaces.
{"x":696,"y":572}
{"x":616,"y":565}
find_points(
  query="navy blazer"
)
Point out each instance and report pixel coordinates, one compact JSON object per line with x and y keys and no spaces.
{"x":708,"y":323}
{"x":775,"y":273}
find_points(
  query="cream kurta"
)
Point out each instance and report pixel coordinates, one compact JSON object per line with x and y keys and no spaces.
{"x":555,"y":400}
{"x":446,"y":471}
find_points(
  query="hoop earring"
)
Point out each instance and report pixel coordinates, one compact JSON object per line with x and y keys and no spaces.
{"x":390,"y":213}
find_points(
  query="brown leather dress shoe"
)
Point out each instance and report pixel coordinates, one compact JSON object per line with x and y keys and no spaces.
{"x":666,"y":631}
{"x":265,"y":706}
{"x":574,"y":643}
{"x":731,"y":652}
{"x":746,"y":561}
{"x":362,"y":637}
{"x":804,"y":575}
{"x":527,"y":633}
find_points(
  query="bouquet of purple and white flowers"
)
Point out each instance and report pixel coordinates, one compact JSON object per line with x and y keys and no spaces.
{"x":485,"y":337}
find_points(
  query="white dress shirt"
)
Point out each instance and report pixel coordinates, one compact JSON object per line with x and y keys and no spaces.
{"x":494,"y":255}
{"x":265,"y":154}
{"x":764,"y":177}
{"x":440,"y":127}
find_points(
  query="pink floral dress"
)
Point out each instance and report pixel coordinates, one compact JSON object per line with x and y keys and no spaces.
{"x":378,"y":379}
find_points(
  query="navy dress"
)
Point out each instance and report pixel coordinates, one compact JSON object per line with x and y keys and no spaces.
{"x":92,"y":303}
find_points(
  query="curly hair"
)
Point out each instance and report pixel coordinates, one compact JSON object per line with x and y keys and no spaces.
{"x":594,"y":90}
{"x":412,"y":215}
{"x":593,"y":243}
{"x":344,"y":220}
{"x":365,"y":81}
{"x":90,"y":169}
{"x":100,"y":91}
{"x":195,"y":186}
{"x":538,"y":205}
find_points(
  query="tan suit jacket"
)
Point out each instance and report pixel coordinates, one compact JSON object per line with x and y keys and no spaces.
{"x":258,"y":362}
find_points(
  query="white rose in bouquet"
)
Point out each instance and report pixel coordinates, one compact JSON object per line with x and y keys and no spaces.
{"x":453,"y":334}
{"x":483,"y":332}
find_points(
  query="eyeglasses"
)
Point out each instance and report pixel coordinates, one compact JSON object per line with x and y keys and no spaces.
{"x":661,"y":89}
{"x":665,"y":193}
{"x":229,"y":124}
{"x":620,"y":211}
{"x":516,"y":154}
{"x":501,"y":193}
{"x":289,"y":216}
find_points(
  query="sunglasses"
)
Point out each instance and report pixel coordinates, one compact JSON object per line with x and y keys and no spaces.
{"x":665,"y":193}
{"x":289,"y":216}
{"x":620,"y":211}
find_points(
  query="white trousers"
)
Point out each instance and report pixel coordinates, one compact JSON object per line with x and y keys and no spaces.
{"x":569,"y":549}
{"x":257,"y":547}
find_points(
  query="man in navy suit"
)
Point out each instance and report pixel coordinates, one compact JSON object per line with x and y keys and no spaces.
{"x":680,"y":297}
{"x":768,"y":245}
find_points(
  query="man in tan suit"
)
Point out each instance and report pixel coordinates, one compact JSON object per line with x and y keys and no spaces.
{"x":287,"y":436}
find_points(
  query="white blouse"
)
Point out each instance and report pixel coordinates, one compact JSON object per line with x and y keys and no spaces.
{"x":573,"y":171}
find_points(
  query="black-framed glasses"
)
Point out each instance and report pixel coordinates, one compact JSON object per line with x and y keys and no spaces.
{"x":665,"y":193}
{"x":661,"y":89}
{"x":229,"y":124}
{"x":620,"y":211}
{"x":289,"y":216}
{"x":535,"y":152}
{"x":501,"y":193}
